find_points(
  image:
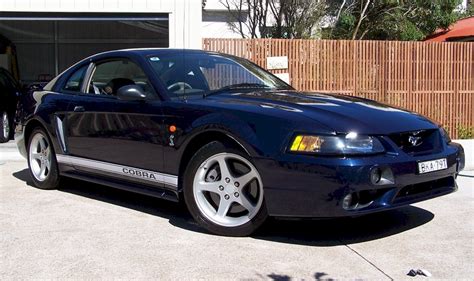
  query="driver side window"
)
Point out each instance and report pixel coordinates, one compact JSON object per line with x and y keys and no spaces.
{"x":110,"y":76}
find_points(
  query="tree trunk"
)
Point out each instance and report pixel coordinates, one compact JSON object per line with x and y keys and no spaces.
{"x":362,"y":16}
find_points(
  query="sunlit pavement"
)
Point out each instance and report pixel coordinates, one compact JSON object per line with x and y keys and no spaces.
{"x":85,"y":230}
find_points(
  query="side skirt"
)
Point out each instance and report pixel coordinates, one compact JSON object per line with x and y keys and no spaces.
{"x":127,"y":178}
{"x":120,"y":184}
{"x":119,"y":171}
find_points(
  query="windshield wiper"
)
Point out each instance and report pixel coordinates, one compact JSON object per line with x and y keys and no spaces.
{"x":236,"y":87}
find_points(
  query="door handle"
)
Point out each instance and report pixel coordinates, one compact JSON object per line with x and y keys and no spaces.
{"x":79,"y":108}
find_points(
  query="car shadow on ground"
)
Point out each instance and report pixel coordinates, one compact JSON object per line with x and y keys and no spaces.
{"x":344,"y":231}
{"x":321,"y":232}
{"x":283,"y":277}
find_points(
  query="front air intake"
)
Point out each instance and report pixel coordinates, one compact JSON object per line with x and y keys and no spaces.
{"x":418,"y":142}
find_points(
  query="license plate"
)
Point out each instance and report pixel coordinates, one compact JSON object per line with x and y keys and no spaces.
{"x":433,"y":165}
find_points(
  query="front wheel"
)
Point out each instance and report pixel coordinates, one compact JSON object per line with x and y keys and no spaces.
{"x":224,"y":192}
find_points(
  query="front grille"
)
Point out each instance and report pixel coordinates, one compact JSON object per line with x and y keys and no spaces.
{"x":430,"y":186}
{"x":418,"y":142}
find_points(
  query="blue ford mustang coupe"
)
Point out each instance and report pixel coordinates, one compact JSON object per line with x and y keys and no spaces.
{"x":233,"y":141}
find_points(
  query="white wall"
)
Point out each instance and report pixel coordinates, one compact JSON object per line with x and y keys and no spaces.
{"x":214,"y":21}
{"x":214,"y":25}
{"x":184,"y":15}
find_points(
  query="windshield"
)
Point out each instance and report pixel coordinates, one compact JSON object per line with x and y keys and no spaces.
{"x":203,"y":74}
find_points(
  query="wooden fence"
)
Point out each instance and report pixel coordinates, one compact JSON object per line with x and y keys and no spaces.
{"x":434,"y":79}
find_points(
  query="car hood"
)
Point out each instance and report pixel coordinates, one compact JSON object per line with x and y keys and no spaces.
{"x":341,"y":113}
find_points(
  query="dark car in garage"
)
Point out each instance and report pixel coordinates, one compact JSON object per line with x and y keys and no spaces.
{"x":232,"y":140}
{"x":9,"y":95}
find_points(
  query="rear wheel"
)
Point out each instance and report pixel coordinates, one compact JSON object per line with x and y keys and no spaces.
{"x":5,"y":127}
{"x":224,"y":192}
{"x":42,"y":161}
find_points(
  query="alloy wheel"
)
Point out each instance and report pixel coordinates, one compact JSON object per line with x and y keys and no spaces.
{"x":228,"y":189}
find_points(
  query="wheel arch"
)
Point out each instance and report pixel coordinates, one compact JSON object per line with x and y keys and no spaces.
{"x":37,"y":123}
{"x":205,"y":137}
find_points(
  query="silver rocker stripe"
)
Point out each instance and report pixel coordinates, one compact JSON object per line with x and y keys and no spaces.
{"x":119,"y":169}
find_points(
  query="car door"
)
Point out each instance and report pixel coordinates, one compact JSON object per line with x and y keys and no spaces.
{"x":116,"y":137}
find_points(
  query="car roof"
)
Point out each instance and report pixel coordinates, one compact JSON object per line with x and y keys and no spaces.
{"x":139,"y":52}
{"x":155,"y":51}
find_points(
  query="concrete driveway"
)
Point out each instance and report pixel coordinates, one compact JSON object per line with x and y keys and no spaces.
{"x":89,"y":231}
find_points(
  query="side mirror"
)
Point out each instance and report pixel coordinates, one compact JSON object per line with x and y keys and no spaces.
{"x":131,"y":93}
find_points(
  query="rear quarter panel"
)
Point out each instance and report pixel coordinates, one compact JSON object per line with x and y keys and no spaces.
{"x":38,"y":108}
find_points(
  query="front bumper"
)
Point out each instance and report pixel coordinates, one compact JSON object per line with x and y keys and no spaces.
{"x":314,"y":186}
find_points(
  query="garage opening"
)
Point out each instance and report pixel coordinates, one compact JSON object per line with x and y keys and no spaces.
{"x":46,"y":44}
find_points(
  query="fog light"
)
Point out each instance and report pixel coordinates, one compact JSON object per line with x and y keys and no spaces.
{"x":347,"y":201}
{"x":376,"y":175}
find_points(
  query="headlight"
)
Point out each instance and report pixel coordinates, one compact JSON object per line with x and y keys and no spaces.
{"x":351,"y":143}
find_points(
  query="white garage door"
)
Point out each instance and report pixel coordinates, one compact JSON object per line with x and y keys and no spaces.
{"x":47,"y":44}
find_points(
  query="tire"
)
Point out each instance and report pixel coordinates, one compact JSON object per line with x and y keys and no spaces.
{"x":42,"y":162}
{"x":5,"y":127}
{"x":223,"y":191}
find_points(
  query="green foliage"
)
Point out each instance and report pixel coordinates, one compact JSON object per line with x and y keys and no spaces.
{"x":406,"y":20}
{"x":391,"y":19}
{"x":346,"y":24}
{"x":465,"y":132}
{"x":409,"y":32}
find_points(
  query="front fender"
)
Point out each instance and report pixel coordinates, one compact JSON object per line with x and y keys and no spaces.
{"x":202,"y":130}
{"x":253,"y":137}
{"x":229,"y":125}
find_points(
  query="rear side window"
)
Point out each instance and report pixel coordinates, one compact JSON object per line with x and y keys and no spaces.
{"x":74,"y":82}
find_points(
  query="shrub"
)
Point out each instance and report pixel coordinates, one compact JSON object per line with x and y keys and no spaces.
{"x":465,"y":132}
